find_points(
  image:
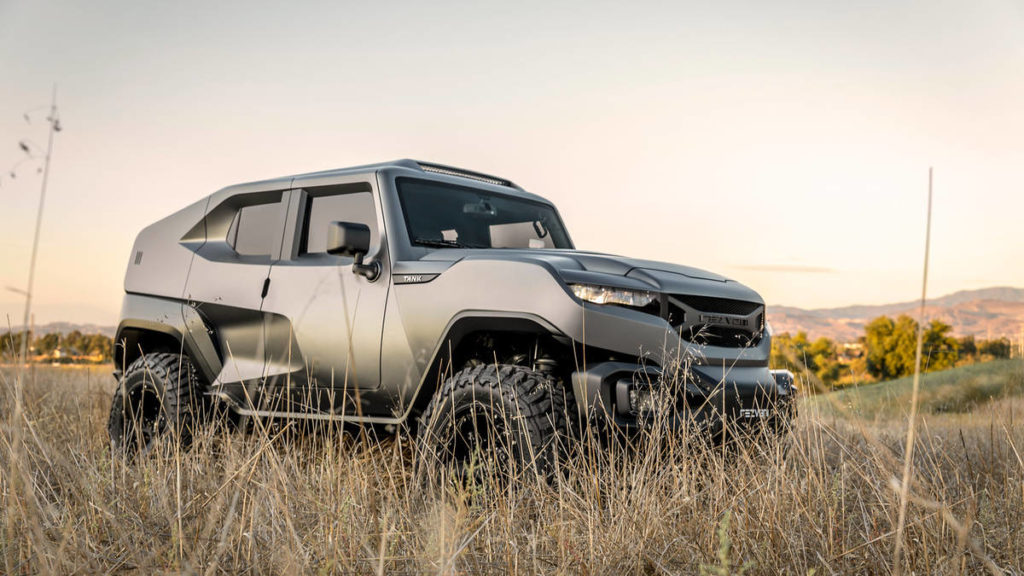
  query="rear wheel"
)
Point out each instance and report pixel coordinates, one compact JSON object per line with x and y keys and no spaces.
{"x":159,"y":394}
{"x":500,"y":418}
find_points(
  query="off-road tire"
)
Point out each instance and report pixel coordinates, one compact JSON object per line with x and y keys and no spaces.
{"x":524,"y":410}
{"x":158,"y":395}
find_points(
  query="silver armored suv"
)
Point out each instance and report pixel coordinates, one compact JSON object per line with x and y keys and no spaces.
{"x":420,"y":297}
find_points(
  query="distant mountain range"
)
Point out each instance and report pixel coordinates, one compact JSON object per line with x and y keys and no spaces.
{"x":67,"y":327}
{"x":986,"y":313}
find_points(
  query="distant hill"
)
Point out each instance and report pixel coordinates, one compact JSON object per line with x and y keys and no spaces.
{"x":66,"y":327}
{"x":985,"y":313}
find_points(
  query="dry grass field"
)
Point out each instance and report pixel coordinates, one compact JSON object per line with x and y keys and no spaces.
{"x":280,"y":500}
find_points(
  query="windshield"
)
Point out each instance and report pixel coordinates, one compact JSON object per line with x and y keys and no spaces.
{"x":446,"y":216}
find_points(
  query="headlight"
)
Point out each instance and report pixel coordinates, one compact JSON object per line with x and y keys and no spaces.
{"x":608,"y":295}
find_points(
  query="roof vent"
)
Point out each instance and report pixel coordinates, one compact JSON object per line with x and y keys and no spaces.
{"x":450,"y":171}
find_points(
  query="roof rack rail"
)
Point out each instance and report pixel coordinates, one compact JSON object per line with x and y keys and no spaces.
{"x":452,"y":171}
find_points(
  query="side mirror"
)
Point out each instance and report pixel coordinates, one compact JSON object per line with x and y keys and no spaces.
{"x":351,"y":239}
{"x":348,"y":238}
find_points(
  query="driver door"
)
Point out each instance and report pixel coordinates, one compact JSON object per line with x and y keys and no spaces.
{"x":330,"y":351}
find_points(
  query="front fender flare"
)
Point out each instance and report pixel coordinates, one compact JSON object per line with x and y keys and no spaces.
{"x":470,"y":322}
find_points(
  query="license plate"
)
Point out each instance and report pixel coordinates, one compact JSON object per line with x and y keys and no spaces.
{"x":754,"y":413}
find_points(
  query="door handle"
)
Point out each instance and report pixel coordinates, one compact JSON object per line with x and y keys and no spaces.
{"x":266,"y":287}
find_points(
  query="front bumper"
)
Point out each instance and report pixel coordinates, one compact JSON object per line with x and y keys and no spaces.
{"x":709,"y":399}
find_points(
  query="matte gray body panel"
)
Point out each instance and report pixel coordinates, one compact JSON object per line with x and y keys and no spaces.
{"x":159,"y":261}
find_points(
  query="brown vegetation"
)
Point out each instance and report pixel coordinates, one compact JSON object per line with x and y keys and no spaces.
{"x":278,"y":500}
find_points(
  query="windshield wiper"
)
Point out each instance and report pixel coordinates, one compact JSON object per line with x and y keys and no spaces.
{"x":435,"y":243}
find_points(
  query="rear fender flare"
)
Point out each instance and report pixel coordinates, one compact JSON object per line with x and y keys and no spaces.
{"x":149,"y":323}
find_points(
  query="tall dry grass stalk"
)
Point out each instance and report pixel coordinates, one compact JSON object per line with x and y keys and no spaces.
{"x":908,"y":458}
{"x":287,"y":498}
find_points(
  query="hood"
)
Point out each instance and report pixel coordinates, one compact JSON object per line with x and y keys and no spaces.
{"x":576,"y":267}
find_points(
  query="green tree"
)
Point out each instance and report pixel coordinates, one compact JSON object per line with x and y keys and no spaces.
{"x":790,"y":352}
{"x":940,"y":350}
{"x":968,"y":347}
{"x":99,"y":345}
{"x":799,"y":354}
{"x":903,"y":346}
{"x":46,"y":344}
{"x":892,"y":347}
{"x":878,"y":335}
{"x":73,"y":342}
{"x":10,"y":344}
{"x":782,"y":344}
{"x":998,"y":348}
{"x":823,"y":356}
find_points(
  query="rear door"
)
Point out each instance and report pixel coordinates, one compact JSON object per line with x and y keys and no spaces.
{"x":227,"y":282}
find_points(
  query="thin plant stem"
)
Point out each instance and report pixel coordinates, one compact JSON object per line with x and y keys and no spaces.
{"x":908,"y":458}
{"x":39,"y":224}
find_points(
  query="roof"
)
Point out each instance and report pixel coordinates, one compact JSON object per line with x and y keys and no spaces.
{"x":407,"y":166}
{"x":404,"y":164}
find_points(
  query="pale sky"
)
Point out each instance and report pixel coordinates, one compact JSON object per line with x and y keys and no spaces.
{"x":783,"y":144}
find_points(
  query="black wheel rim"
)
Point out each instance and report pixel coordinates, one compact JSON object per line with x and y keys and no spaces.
{"x":143,"y":419}
{"x":481,"y":444}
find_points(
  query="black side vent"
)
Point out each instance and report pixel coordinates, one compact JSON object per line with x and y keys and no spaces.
{"x":138,"y":257}
{"x":479,"y":177}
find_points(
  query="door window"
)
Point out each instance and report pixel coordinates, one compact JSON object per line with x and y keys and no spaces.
{"x":354,"y":207}
{"x":252,"y":232}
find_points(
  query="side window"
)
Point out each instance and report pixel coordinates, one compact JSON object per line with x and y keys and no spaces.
{"x":252,"y":232}
{"x":322,"y":210}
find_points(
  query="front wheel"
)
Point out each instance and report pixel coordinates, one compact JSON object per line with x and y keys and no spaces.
{"x":505,"y":417}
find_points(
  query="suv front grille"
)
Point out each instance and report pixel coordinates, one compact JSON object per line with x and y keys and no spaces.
{"x":718,"y":305}
{"x":715,"y":321}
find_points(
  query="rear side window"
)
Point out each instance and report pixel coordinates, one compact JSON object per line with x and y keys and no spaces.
{"x":252,"y":232}
{"x":321,"y":210}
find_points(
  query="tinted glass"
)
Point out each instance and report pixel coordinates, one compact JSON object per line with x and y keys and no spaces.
{"x":440,"y":215}
{"x":322,"y":210}
{"x":255,"y":229}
